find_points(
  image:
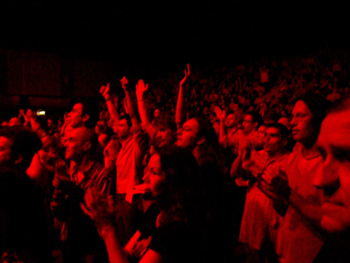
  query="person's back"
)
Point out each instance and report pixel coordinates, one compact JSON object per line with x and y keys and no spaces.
{"x":23,"y":223}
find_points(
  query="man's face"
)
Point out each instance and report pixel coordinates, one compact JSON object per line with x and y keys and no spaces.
{"x":5,"y":151}
{"x":333,"y":174}
{"x":75,"y":116}
{"x":75,"y":145}
{"x":273,"y":143}
{"x":248,"y":124}
{"x":123,"y":129}
{"x":260,"y":137}
{"x":164,"y":137}
{"x":302,"y":122}
{"x":230,"y":121}
{"x":187,"y":135}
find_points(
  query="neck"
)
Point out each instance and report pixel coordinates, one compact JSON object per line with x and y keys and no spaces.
{"x":197,"y":153}
{"x":309,"y":152}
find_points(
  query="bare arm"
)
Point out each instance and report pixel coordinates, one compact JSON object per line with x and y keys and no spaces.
{"x":129,"y":103}
{"x":180,"y":106}
{"x":104,"y":90}
{"x":222,"y":134}
{"x":141,"y":88}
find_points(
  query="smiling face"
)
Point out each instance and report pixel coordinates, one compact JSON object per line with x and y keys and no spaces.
{"x":333,"y":175}
{"x":76,"y":144}
{"x":301,"y":123}
{"x":75,"y":117}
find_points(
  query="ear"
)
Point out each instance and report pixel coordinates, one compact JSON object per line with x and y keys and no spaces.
{"x":19,"y":159}
{"x":200,"y":141}
{"x":285,"y":142}
{"x":86,"y":117}
{"x":87,"y":146}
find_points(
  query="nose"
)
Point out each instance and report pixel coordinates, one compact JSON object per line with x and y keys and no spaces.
{"x":293,"y":122}
{"x":146,"y":176}
{"x":327,"y":178}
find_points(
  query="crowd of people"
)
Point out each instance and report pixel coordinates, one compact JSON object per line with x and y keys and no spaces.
{"x":244,"y":164}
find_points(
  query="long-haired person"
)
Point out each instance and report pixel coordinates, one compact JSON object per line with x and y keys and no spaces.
{"x":167,"y":230}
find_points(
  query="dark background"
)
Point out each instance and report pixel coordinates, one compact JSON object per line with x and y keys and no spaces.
{"x":165,"y":34}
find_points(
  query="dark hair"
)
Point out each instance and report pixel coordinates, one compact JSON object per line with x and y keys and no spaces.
{"x":181,"y":173}
{"x":90,"y":107}
{"x":127,"y":118}
{"x":256,"y":118}
{"x":25,"y":142}
{"x":318,"y":107}
{"x":282,"y":129}
{"x":166,"y":120}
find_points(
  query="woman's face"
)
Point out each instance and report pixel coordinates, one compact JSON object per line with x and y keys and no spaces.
{"x":156,"y":176}
{"x":301,"y":123}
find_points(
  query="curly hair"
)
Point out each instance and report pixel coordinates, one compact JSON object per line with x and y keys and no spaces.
{"x":181,"y":180}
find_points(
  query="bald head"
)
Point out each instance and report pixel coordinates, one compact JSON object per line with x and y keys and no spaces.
{"x":80,"y":142}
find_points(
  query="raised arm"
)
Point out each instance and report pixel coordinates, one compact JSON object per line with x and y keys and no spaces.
{"x":141,"y":88}
{"x":129,"y":103}
{"x":180,"y":114}
{"x":222,"y":134}
{"x":104,"y":90}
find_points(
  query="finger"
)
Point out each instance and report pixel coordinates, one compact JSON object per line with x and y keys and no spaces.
{"x":86,"y":211}
{"x":146,"y":87}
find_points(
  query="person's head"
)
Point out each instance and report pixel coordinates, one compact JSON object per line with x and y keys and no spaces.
{"x":333,"y":174}
{"x":231,"y":120}
{"x":187,"y":135}
{"x":276,"y":138}
{"x":308,"y":114}
{"x":260,"y":137}
{"x":14,"y":121}
{"x":123,"y":127}
{"x":250,"y":122}
{"x":166,"y":134}
{"x":81,"y":142}
{"x":18,"y":146}
{"x":83,"y":113}
{"x":173,"y":175}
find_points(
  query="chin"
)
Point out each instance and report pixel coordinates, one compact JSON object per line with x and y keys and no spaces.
{"x":333,"y":225}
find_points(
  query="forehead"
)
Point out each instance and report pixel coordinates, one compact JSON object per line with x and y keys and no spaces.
{"x":335,"y":130}
{"x":123,"y":122}
{"x":248,"y":117}
{"x":231,"y":116}
{"x":78,"y":107}
{"x":262,"y":128}
{"x":301,"y":107}
{"x":192,"y":124}
{"x":272,"y":130}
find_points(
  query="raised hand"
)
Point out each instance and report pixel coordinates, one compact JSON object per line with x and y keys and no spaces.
{"x":100,"y":208}
{"x":61,"y":177}
{"x":141,"y":88}
{"x":219,"y":113}
{"x":187,"y":75}
{"x":124,"y":81}
{"x":104,"y":90}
